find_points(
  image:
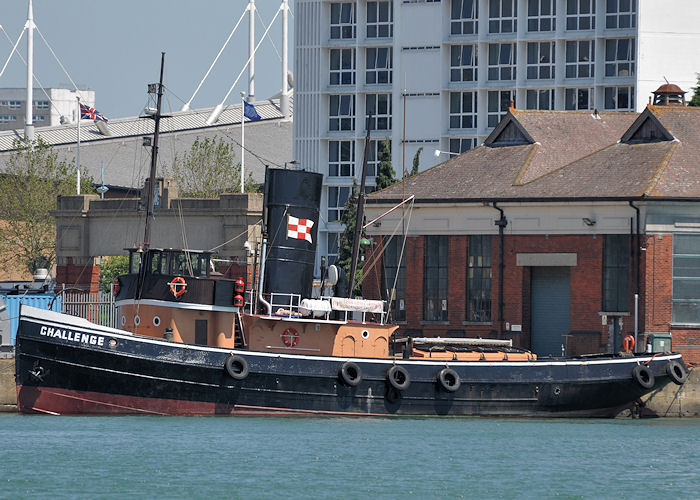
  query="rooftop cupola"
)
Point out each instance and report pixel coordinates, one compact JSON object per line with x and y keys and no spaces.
{"x":669,"y":95}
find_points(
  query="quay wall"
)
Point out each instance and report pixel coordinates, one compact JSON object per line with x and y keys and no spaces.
{"x":8,"y":393}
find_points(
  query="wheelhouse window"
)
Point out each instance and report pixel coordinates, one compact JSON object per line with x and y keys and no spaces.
{"x":580,"y":59}
{"x":620,"y":14}
{"x":541,"y":15}
{"x":540,"y":99}
{"x":462,"y":110}
{"x":341,"y":159}
{"x":343,"y":20}
{"x":503,"y":16}
{"x":435,"y":278}
{"x":342,"y":71}
{"x":379,"y":106}
{"x":575,"y":99}
{"x":342,"y":112}
{"x":379,"y":63}
{"x":502,"y":60}
{"x":580,"y":15}
{"x":686,"y":279}
{"x":394,"y":277}
{"x":540,"y":60}
{"x":619,"y":57}
{"x":619,"y":98}
{"x":463,"y":63}
{"x":616,"y":262}
{"x":380,"y":19}
{"x":479,"y":278}
{"x":464,"y":17}
{"x":498,"y":105}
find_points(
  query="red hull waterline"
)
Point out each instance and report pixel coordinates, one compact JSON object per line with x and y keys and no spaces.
{"x":53,"y":401}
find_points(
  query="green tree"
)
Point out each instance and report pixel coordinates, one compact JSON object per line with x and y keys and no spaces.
{"x":110,"y":268}
{"x":346,"y":240}
{"x":208,"y":169}
{"x":33,"y":178}
{"x":385,"y":172}
{"x":695,"y":101}
{"x":416,"y":162}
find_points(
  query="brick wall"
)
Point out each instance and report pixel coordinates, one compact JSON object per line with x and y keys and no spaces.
{"x":85,"y":277}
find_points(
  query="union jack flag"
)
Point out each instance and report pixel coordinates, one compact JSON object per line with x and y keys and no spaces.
{"x":88,"y":113}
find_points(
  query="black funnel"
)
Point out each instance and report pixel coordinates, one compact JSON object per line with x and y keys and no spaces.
{"x":292,"y":201}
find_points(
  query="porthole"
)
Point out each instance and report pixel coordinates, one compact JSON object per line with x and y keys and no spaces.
{"x":137,"y":320}
{"x":123,"y":320}
{"x":156,"y":320}
{"x":365,"y":334}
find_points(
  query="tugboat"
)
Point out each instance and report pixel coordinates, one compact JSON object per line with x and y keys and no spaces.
{"x":191,"y":344}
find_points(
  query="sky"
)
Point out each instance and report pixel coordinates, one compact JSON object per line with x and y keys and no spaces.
{"x":113,"y":48}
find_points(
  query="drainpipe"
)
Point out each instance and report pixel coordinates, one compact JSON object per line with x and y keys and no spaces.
{"x":502,"y":222}
{"x":637,"y":265}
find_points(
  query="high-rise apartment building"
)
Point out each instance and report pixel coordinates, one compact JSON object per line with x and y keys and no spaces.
{"x":442,"y":73}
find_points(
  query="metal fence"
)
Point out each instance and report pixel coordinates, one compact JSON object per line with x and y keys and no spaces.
{"x":95,"y":307}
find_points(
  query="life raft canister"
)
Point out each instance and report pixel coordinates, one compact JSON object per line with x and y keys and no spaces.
{"x":628,"y":343}
{"x":178,"y":286}
{"x":290,"y":337}
{"x":238,"y":291}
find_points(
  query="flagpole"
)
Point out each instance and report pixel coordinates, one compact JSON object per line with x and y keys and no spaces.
{"x":242,"y":140}
{"x":77,"y":182}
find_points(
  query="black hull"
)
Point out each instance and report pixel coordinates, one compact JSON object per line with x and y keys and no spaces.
{"x":91,"y":370}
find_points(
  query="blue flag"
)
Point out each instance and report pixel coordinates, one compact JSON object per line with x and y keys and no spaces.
{"x":250,"y":112}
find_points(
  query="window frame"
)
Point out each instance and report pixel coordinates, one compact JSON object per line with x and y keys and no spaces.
{"x":391,"y":265}
{"x":479,"y":263}
{"x":538,"y":22}
{"x":616,"y":98}
{"x":341,"y":158}
{"x":536,"y":68}
{"x":459,"y":71}
{"x":503,"y":96}
{"x":345,"y":72}
{"x":343,"y":25}
{"x":578,"y":17}
{"x":375,"y":74}
{"x":335,"y":209}
{"x":459,"y":23}
{"x":617,"y":251}
{"x":460,"y":116}
{"x":380,"y":24}
{"x":540,"y":97}
{"x":576,"y":91}
{"x":379,"y":105}
{"x":501,"y":68}
{"x":680,"y":276}
{"x":579,"y":66}
{"x":341,"y":112}
{"x":459,"y":145}
{"x":614,"y":63}
{"x":615,"y":18}
{"x":500,"y":23}
{"x":436,"y":278}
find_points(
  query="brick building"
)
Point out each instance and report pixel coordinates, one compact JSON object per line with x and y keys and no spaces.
{"x":562,"y":231}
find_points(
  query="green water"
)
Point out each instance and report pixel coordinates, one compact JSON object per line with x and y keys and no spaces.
{"x":212,"y":457}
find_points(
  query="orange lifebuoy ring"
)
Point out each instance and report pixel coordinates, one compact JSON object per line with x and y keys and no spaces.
{"x":178,"y":286}
{"x":628,"y":343}
{"x":290,"y":337}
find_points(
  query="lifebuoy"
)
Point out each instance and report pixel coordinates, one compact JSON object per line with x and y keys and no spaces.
{"x":350,"y":374}
{"x":398,"y":377}
{"x":449,"y":379}
{"x":676,"y":372}
{"x":178,"y":286}
{"x":236,"y":367}
{"x":290,"y":337}
{"x":628,"y":343}
{"x":643,"y":376}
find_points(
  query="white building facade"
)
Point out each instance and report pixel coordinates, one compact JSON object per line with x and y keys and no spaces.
{"x":442,"y":73}
{"x":54,"y":107}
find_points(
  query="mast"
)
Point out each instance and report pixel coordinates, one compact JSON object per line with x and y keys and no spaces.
{"x":154,"y":157}
{"x":28,"y":118}
{"x":360,"y":210}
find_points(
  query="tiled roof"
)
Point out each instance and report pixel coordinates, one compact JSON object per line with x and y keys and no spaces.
{"x":268,"y":141}
{"x":574,"y":155}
